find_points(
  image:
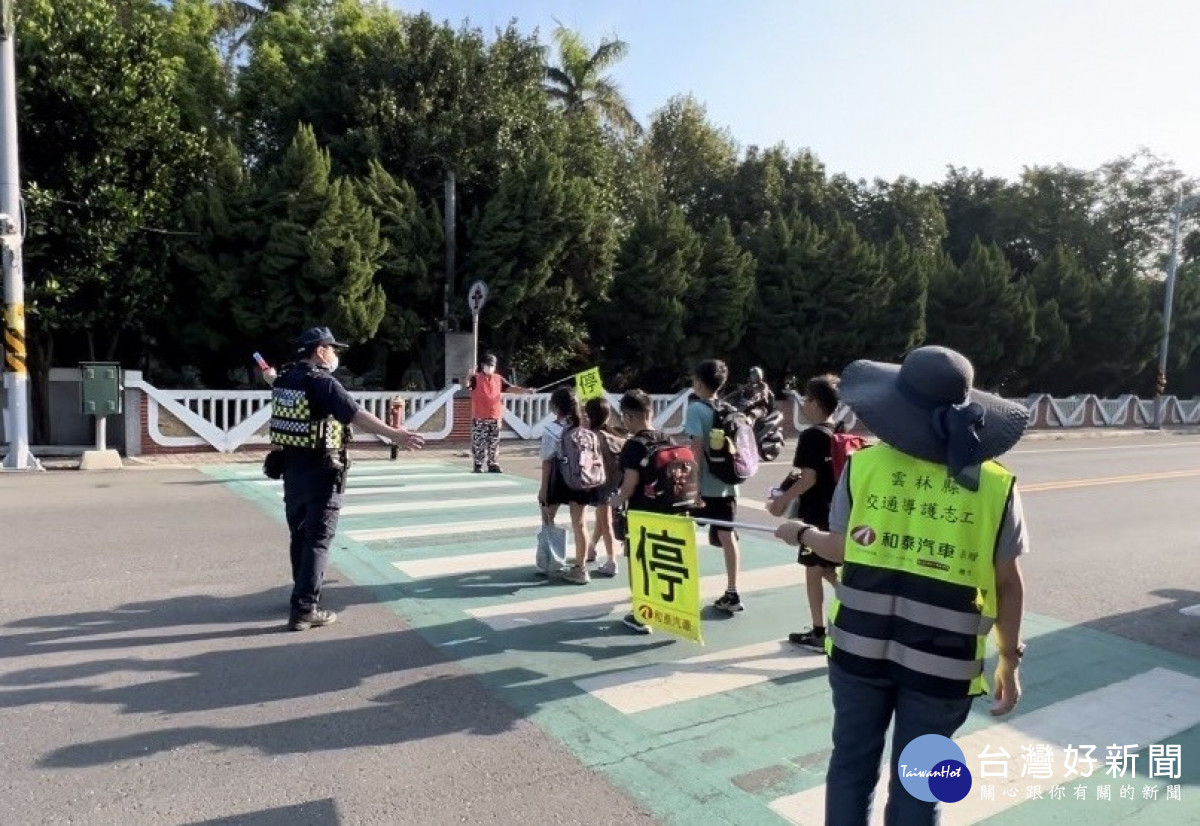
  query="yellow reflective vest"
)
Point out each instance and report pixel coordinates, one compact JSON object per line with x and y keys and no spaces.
{"x":917,"y":593}
{"x":293,"y":422}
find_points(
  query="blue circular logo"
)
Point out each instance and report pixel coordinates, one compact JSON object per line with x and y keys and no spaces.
{"x":933,"y":768}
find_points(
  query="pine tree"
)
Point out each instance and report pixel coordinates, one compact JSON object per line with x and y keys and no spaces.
{"x":904,"y":325}
{"x":643,"y":324}
{"x":717,"y":301}
{"x":982,"y":312}
{"x":409,"y":268}
{"x":322,"y":251}
{"x":778,"y":334}
{"x":847,"y":300}
{"x":1064,"y":292}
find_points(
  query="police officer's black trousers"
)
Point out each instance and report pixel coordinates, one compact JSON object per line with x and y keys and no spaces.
{"x":312,"y":503}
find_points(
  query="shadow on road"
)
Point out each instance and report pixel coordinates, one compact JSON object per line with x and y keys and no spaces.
{"x":318,"y":812}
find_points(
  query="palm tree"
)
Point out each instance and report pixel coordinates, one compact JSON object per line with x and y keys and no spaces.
{"x":579,"y":85}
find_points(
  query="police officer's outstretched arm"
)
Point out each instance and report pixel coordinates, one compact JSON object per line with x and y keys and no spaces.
{"x":401,"y":436}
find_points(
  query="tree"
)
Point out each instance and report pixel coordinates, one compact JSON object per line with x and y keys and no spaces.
{"x":106,"y":156}
{"x":642,"y":329}
{"x":542,"y":245}
{"x":578,"y":83}
{"x":695,"y":160}
{"x":776,"y":333}
{"x":1064,"y":293}
{"x":409,"y":268}
{"x":904,"y":324}
{"x":322,"y":251}
{"x":981,"y":311}
{"x":716,"y":304}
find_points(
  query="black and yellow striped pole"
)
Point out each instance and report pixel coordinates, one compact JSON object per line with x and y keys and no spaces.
{"x":16,"y":375}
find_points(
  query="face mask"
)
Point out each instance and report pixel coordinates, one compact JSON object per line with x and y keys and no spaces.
{"x":333,"y":365}
{"x":487,"y":368}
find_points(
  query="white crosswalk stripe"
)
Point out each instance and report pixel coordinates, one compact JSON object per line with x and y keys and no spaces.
{"x":432,"y":507}
{"x":580,"y":604}
{"x":654,"y":686}
{"x":445,"y":529}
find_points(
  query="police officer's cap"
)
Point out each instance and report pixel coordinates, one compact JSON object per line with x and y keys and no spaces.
{"x":315,"y":337}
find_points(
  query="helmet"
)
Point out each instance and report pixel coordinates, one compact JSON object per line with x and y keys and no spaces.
{"x":756,"y":374}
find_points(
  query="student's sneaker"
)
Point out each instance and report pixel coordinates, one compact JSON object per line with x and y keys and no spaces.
{"x":729,"y":602}
{"x":635,"y":625}
{"x":310,"y":619}
{"x":812,"y":638}
{"x":608,"y":569}
{"x":478,"y":469}
{"x":575,"y":575}
{"x":591,"y":554}
{"x":494,"y":469}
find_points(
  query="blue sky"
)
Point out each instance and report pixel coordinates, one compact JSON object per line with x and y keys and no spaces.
{"x":904,"y":87}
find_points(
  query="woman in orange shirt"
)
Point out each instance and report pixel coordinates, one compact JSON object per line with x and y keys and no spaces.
{"x":487,"y":409}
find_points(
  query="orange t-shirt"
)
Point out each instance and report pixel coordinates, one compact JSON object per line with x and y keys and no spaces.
{"x":486,"y":401}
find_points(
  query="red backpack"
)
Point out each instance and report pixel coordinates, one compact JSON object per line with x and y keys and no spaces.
{"x":842,"y":445}
{"x":669,"y":477}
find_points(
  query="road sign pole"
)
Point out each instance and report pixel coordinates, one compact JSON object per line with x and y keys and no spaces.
{"x":475,"y":340}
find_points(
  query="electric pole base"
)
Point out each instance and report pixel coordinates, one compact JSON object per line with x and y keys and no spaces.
{"x":101,"y":460}
{"x":20,"y":463}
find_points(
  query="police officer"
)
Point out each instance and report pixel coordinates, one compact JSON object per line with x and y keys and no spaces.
{"x":310,"y":415}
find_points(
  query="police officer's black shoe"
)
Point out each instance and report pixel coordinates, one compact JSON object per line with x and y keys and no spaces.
{"x":311,"y":619}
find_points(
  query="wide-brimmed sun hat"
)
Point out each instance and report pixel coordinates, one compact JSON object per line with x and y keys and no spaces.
{"x":926,"y":407}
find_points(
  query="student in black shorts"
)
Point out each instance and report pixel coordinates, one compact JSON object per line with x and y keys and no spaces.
{"x":636,"y":418}
{"x":807,"y":494}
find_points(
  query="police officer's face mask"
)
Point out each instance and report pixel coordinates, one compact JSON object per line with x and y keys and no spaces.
{"x":331,"y":359}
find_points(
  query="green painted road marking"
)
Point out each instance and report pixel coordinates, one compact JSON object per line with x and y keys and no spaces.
{"x":708,"y":756}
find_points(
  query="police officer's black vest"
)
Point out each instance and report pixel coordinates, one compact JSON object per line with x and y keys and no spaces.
{"x":292,"y":419}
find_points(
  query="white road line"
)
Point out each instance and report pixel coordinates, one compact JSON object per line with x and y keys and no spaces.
{"x":366,"y":468}
{"x":469,"y":563}
{"x":439,"y":505}
{"x":1191,"y":611}
{"x":580,"y":603}
{"x":1145,"y":709}
{"x":400,"y":490}
{"x":378,"y":477}
{"x":484,"y":526}
{"x":654,"y":686}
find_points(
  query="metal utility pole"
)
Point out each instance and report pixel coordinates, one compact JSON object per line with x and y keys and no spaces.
{"x":450,"y":228}
{"x":1181,"y":206}
{"x":12,"y":230}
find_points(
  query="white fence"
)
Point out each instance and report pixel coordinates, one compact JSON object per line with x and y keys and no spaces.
{"x":228,"y":419}
{"x":225,"y":420}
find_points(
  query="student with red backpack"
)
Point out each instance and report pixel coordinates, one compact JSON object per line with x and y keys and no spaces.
{"x":572,"y":470}
{"x":808,"y":490}
{"x":658,"y":475}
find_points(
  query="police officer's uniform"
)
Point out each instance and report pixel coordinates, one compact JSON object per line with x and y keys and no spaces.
{"x":310,"y":411}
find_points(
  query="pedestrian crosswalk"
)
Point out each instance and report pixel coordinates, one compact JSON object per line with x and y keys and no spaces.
{"x":736,"y":730}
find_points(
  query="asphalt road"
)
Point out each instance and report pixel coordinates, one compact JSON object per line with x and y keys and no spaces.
{"x":144,"y":677}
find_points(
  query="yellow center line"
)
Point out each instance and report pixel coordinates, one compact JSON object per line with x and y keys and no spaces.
{"x":1067,"y":484}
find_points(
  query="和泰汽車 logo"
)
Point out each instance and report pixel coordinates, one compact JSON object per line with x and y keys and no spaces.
{"x":933,"y":768}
